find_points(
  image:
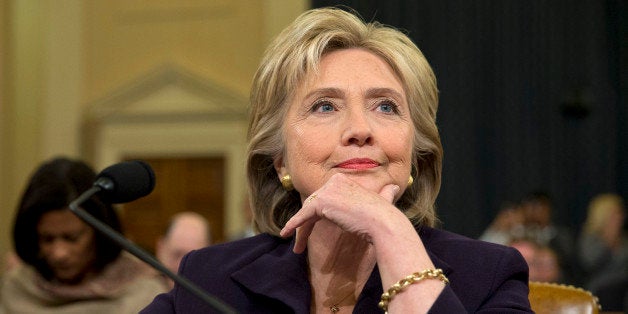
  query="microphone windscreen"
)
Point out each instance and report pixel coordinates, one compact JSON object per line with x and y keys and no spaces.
{"x":126,"y":181}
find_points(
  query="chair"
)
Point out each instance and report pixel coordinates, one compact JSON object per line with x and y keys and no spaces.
{"x":558,"y":298}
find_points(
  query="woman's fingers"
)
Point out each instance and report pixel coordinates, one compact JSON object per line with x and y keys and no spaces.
{"x":303,"y":233}
{"x":341,"y":202}
{"x":300,"y":218}
{"x":302,"y":223}
{"x":389,"y":192}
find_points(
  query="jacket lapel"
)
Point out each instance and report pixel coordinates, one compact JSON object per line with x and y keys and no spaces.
{"x":279,"y":274}
{"x":282,"y":275}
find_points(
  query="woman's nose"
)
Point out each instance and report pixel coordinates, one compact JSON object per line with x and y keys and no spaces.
{"x":357,"y":129}
{"x":59,"y":251}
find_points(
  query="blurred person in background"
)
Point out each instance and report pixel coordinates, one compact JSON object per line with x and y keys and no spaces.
{"x":603,"y":250}
{"x":186,"y":231}
{"x":507,"y":225}
{"x":528,"y":249}
{"x":67,"y":266}
{"x":539,"y":225}
{"x":542,"y":260}
{"x":545,"y":266}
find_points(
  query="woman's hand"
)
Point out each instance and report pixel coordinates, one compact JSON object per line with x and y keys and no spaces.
{"x":372,"y":216}
{"x":347,"y":204}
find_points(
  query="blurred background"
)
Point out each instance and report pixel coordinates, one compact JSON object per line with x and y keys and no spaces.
{"x":533,"y":98}
{"x":164,"y":81}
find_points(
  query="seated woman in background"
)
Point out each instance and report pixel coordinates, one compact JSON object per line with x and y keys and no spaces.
{"x":603,"y":246}
{"x":68,"y":267}
{"x":344,"y":166}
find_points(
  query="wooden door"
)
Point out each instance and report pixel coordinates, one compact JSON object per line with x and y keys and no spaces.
{"x":181,"y":184}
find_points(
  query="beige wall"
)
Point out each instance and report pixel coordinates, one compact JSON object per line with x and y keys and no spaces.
{"x":62,"y":58}
{"x":4,"y":204}
{"x":20,"y":85}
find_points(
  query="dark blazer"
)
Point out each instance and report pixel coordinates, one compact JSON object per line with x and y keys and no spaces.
{"x":262,"y":275}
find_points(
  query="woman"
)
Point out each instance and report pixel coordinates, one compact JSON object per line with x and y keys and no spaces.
{"x":344,"y":166}
{"x":68,"y":266}
{"x":602,"y":246}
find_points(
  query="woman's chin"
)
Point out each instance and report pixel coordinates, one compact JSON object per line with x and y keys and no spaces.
{"x":371,"y":183}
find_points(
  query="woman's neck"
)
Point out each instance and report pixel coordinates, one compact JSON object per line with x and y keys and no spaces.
{"x":339,"y":265}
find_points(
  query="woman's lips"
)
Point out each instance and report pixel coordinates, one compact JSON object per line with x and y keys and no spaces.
{"x":358,"y":163}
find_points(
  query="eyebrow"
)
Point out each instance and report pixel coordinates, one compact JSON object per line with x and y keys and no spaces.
{"x":370,"y":93}
{"x":335,"y":92}
{"x":77,"y":232}
{"x":373,"y":92}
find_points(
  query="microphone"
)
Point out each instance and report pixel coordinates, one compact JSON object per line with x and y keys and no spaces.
{"x":125,"y":182}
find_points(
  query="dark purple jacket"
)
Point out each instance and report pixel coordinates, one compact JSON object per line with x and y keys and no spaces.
{"x":262,"y":275}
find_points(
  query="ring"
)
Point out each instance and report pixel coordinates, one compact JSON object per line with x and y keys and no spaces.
{"x":310,"y":198}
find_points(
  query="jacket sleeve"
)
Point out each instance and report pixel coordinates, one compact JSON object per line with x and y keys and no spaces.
{"x":504,"y":288}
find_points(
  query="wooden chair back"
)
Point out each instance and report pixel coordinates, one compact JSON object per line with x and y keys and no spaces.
{"x":557,"y":298}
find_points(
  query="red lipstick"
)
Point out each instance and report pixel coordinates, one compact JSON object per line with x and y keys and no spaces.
{"x":358,"y":163}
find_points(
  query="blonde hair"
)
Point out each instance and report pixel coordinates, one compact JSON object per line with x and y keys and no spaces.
{"x":295,"y":54}
{"x":600,"y":209}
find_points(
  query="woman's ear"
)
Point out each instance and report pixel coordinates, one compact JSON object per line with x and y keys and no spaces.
{"x":283,"y":175}
{"x":280,"y":167}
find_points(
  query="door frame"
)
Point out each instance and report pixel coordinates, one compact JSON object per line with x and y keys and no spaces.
{"x":170,"y":112}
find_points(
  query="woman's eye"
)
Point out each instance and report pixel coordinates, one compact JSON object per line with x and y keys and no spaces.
{"x":323,"y":106}
{"x":46,"y":239}
{"x":71,"y":237}
{"x":388,"y":107}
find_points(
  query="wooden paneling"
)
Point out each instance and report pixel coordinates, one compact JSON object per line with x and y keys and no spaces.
{"x":182,"y":184}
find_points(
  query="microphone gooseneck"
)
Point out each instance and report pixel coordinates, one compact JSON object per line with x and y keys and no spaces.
{"x":125,"y":182}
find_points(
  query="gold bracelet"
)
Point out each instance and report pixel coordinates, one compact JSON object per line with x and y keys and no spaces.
{"x":408,"y":280}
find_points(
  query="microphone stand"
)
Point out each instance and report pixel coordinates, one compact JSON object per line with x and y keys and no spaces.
{"x":140,"y":253}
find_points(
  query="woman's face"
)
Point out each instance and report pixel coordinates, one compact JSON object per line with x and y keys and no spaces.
{"x":351,"y":118}
{"x":67,"y":244}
